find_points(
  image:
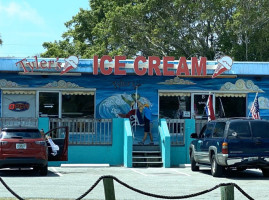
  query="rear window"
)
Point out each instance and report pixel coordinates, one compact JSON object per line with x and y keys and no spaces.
{"x":260,"y":129}
{"x":20,"y":134}
{"x":239,"y":129}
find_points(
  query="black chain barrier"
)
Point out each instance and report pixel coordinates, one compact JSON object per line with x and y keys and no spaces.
{"x":142,"y":192}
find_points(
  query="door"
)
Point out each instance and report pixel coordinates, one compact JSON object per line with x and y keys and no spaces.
{"x":58,"y":137}
{"x":49,"y":104}
{"x":198,"y":104}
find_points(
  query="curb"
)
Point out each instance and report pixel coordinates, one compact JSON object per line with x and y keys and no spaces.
{"x":83,"y":165}
{"x":184,"y":165}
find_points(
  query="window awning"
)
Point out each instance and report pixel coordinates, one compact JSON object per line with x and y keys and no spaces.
{"x":78,"y":93}
{"x":175,"y":94}
{"x":19,"y":92}
{"x":230,"y":95}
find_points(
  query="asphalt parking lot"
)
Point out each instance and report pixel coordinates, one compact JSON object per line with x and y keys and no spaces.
{"x":71,"y":183}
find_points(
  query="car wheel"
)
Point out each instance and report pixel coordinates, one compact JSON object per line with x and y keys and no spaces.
{"x":265,"y":172}
{"x":194,"y":167}
{"x":216,"y":169}
{"x":43,"y":170}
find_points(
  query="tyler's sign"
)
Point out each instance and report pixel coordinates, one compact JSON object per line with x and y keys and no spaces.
{"x":29,"y":67}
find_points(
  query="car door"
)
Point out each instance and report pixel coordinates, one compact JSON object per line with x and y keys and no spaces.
{"x":206,"y":142}
{"x":58,"y":137}
{"x":198,"y":153}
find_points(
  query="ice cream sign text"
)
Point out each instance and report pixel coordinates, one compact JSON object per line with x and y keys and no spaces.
{"x":167,"y":67}
{"x":63,"y":67}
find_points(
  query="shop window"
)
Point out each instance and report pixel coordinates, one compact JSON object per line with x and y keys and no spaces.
{"x":199,"y":106}
{"x":175,"y":107}
{"x":230,"y":107}
{"x":48,"y":104}
{"x":76,"y":106}
{"x":18,"y":105}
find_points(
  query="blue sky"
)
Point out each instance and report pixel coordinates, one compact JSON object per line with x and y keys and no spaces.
{"x":26,"y":24}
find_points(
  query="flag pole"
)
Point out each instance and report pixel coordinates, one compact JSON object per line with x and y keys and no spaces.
{"x":252,"y":104}
{"x":222,"y":106}
{"x":135,"y":103}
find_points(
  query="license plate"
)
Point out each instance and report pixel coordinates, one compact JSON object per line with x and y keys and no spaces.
{"x":20,"y":146}
{"x":252,"y":158}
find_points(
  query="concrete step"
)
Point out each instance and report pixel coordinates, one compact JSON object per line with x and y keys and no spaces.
{"x":147,"y":163}
{"x":147,"y":152}
{"x":146,"y":147}
{"x":147,"y":156}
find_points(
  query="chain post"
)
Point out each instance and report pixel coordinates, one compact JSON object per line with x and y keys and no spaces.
{"x":227,"y":192}
{"x":109,"y":189}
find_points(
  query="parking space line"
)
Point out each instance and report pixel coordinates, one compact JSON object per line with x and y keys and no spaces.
{"x":182,"y":173}
{"x":56,"y":172}
{"x":139,"y":172}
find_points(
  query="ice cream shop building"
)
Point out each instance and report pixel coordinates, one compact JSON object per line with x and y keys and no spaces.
{"x":101,"y":100}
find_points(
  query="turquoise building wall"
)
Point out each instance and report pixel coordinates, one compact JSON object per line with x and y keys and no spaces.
{"x":180,"y":154}
{"x":103,"y":154}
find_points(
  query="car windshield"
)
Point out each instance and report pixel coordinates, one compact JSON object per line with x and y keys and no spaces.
{"x":260,"y":129}
{"x":21,"y":134}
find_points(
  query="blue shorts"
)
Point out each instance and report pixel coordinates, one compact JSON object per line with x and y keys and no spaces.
{"x":146,"y":125}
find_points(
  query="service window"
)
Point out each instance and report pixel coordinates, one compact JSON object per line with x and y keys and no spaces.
{"x":76,"y":106}
{"x":230,"y":107}
{"x":175,"y":107}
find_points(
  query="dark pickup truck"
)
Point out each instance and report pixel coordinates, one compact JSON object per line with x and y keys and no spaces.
{"x":231,"y":143}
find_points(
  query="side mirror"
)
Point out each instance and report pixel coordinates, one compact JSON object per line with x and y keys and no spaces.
{"x":194,"y":135}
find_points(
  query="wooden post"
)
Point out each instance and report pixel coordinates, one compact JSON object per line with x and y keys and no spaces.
{"x":227,"y":192}
{"x":109,"y":189}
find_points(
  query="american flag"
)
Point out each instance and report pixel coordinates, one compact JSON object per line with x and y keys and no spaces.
{"x":255,"y":111}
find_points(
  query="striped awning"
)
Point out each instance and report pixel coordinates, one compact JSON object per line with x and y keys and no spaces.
{"x":230,"y":95}
{"x":175,"y":94}
{"x":78,"y":93}
{"x":19,"y":92}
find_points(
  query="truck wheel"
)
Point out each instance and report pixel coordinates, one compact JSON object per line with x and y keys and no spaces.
{"x":216,"y":169}
{"x":43,"y":171}
{"x":265,"y":172}
{"x":194,"y":167}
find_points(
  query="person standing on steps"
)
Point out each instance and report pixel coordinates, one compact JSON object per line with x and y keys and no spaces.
{"x":147,"y":120}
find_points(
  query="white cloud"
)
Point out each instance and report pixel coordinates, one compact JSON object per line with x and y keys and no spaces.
{"x":263,"y":103}
{"x":21,"y":11}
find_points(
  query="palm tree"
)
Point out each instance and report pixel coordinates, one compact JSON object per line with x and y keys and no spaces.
{"x":1,"y":40}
